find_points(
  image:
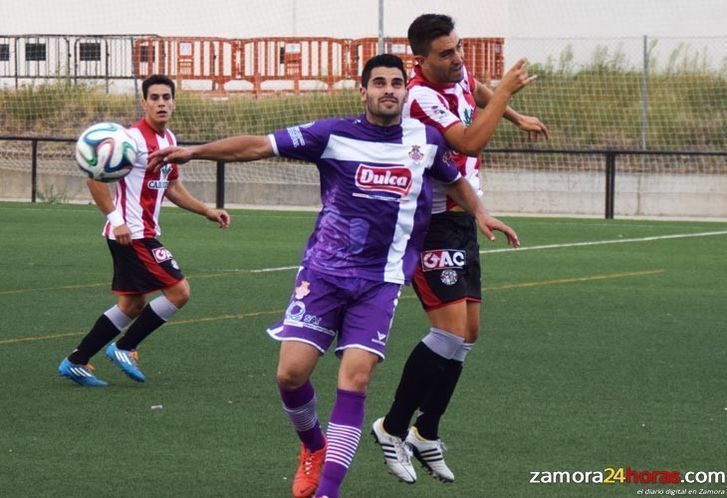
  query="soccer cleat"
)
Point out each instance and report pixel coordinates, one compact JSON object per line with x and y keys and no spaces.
{"x":310,"y":466}
{"x":430,"y":454}
{"x":397,"y":453}
{"x":80,"y":374}
{"x":126,"y":361}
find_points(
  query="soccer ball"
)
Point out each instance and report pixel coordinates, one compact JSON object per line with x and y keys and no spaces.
{"x":106,"y":152}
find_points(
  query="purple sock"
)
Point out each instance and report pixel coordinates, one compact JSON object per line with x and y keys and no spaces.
{"x":344,"y":433}
{"x":300,"y":406}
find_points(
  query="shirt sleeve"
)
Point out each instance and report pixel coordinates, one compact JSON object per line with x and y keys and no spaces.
{"x":443,"y":167}
{"x":430,"y":108}
{"x":305,"y":142}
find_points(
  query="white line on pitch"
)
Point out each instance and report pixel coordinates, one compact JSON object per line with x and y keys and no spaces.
{"x":263,"y":270}
{"x":602,"y":242}
{"x":553,"y":246}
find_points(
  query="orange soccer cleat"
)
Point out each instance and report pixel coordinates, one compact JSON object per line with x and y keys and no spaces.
{"x":310,"y":466}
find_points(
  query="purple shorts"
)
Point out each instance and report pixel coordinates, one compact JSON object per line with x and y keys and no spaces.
{"x":355,"y":311}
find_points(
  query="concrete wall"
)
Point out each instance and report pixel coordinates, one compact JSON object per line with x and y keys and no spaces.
{"x":527,"y":192}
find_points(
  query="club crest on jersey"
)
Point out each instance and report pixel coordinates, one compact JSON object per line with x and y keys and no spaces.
{"x":302,"y":290}
{"x":415,"y":154}
{"x":448,"y":277}
{"x":440,"y":259}
{"x":162,"y":182}
{"x":468,"y":114}
{"x":395,"y":179}
{"x":161,"y":254}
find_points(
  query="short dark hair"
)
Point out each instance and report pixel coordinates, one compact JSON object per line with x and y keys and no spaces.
{"x":427,"y":28}
{"x":381,"y":60}
{"x":156,"y":79}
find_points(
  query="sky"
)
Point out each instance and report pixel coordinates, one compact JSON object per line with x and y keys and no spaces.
{"x":244,"y":18}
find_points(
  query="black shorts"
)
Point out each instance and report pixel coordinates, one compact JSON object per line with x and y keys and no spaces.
{"x":449,"y":264}
{"x":144,"y":266}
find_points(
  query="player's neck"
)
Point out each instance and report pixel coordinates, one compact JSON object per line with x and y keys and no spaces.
{"x":160,"y":128}
{"x":432,"y":78}
{"x":383,"y":121}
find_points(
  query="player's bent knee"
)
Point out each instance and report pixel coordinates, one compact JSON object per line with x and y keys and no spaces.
{"x":289,"y":379}
{"x":179,"y":294}
{"x":132,"y":307}
{"x":358,"y":383}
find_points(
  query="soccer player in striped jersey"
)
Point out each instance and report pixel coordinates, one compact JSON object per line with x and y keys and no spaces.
{"x":445,"y":95}
{"x":376,"y":174}
{"x":142,"y":265}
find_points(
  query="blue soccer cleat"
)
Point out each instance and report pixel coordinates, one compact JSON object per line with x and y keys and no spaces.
{"x":80,"y":374}
{"x":126,"y":361}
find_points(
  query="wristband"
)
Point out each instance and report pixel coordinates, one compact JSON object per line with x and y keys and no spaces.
{"x":115,"y":218}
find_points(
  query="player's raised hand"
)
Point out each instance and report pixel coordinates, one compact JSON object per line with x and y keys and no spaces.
{"x":489,"y":224}
{"x":220,"y":216}
{"x":533,"y":126}
{"x":516,"y":78}
{"x":176,"y":155}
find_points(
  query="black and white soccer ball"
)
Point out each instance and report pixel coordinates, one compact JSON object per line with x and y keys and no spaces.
{"x":106,"y":152}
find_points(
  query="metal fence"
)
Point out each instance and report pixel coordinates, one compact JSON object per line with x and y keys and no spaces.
{"x":609,"y":169}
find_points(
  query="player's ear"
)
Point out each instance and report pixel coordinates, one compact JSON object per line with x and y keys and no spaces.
{"x":362,"y":92}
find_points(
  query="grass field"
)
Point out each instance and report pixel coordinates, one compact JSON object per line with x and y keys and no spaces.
{"x":608,"y":354}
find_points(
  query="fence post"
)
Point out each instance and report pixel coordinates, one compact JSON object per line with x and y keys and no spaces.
{"x":34,"y":170}
{"x":220,"y":193}
{"x":610,"y":183}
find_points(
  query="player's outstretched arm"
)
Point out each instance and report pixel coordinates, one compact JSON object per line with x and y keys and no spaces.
{"x":234,"y":149}
{"x":179,"y":195}
{"x":464,"y":195}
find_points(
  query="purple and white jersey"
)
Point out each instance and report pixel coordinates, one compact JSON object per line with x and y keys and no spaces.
{"x":375,"y":190}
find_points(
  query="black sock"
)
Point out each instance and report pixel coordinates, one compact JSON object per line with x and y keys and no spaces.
{"x":146,"y":323}
{"x":435,"y":405}
{"x":422,"y":370}
{"x":102,"y":332}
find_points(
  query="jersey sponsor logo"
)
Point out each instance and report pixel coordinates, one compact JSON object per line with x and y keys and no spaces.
{"x":295,"y":311}
{"x":395,"y":179}
{"x":163,"y":182}
{"x":161,"y":254}
{"x":440,"y":259}
{"x":296,"y":136}
{"x":158,"y":184}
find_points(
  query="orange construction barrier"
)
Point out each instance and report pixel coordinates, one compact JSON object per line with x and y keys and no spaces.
{"x":280,"y":64}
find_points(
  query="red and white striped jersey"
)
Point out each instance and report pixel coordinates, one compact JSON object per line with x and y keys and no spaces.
{"x":139,"y":194}
{"x":442,"y":106}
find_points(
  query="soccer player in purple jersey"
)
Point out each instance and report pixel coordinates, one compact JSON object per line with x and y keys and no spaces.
{"x":376,"y":175}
